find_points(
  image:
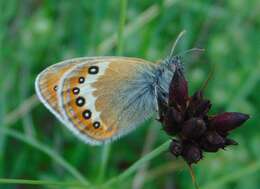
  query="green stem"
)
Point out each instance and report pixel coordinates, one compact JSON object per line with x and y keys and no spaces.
{"x":122,"y":18}
{"x":104,"y":160}
{"x":162,"y":148}
{"x":107,"y":148}
{"x":40,"y":182}
{"x":45,"y":149}
{"x":141,"y":20}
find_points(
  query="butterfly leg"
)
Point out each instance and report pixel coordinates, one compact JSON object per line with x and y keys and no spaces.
{"x":156,"y":103}
{"x":161,"y":105}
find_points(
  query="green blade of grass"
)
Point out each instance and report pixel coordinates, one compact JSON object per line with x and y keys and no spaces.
{"x":45,"y":149}
{"x":144,"y":18}
{"x":122,"y":18}
{"x":107,"y":148}
{"x":26,"y":106}
{"x":41,"y":182}
{"x":157,"y":151}
{"x":103,"y":163}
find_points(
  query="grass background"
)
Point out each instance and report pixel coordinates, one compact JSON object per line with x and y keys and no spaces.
{"x":34,"y":34}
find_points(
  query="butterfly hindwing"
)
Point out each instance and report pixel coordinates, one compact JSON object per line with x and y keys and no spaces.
{"x":106,"y":98}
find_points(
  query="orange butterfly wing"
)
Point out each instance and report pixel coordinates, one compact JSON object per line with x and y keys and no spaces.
{"x":91,"y":95}
{"x":47,"y":83}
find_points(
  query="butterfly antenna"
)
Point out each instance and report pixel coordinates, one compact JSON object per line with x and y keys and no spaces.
{"x":194,"y":181}
{"x":190,"y":51}
{"x":176,"y":42}
{"x":210,"y":75}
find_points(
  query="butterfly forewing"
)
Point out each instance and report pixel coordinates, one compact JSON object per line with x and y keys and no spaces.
{"x":105,"y":98}
{"x":47,"y":83}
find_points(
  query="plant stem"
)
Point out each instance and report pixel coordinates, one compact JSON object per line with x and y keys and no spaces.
{"x":144,"y":18}
{"x":107,"y":148}
{"x":41,"y":182}
{"x":121,"y":28}
{"x":194,"y":181}
{"x":104,"y":160}
{"x":45,"y":149}
{"x":162,"y":148}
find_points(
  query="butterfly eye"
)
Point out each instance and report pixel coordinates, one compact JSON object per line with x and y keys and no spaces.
{"x":93,"y":70}
{"x":96,"y":124}
{"x":81,"y":80}
{"x":80,"y":101}
{"x":86,"y":114}
{"x":55,"y":88}
{"x":75,"y":90}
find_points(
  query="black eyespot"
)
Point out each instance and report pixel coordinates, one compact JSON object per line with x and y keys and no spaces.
{"x":75,"y":90}
{"x":55,"y":88}
{"x":80,"y":101}
{"x":86,"y":114}
{"x":81,"y":79}
{"x":93,"y":70}
{"x":96,"y":124}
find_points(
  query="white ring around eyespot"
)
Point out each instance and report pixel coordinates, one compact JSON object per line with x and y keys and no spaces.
{"x":89,"y":80}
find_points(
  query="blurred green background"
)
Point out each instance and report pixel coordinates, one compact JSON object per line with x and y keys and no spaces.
{"x":35,"y":34}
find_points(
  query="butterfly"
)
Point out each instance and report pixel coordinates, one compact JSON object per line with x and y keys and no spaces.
{"x":103,"y":98}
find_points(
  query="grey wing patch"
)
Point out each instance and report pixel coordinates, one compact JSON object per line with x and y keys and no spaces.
{"x":133,"y":102}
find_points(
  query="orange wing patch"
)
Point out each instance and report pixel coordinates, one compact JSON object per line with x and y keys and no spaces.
{"x":48,"y":81}
{"x":48,"y":85}
{"x":76,"y":110}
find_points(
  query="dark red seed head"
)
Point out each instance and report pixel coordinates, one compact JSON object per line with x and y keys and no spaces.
{"x":215,"y":139}
{"x":193,"y":128}
{"x":187,"y":119}
{"x":202,"y":108}
{"x":176,"y":148}
{"x":228,"y":121}
{"x":178,"y":92}
{"x":208,"y":147}
{"x":192,"y":153}
{"x":170,"y":124}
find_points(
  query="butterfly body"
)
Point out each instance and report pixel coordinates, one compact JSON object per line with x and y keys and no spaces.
{"x":102,"y":98}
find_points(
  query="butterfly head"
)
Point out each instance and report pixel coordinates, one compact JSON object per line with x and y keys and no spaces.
{"x":173,"y":63}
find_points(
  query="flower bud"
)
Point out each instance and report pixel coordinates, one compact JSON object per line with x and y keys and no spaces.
{"x":208,"y":147}
{"x":178,"y":92}
{"x":193,"y":128}
{"x":176,"y":148}
{"x":197,"y":96}
{"x":202,"y":108}
{"x":192,"y":153}
{"x":197,"y":106}
{"x":215,"y":139}
{"x":228,"y":121}
{"x":170,"y":125}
